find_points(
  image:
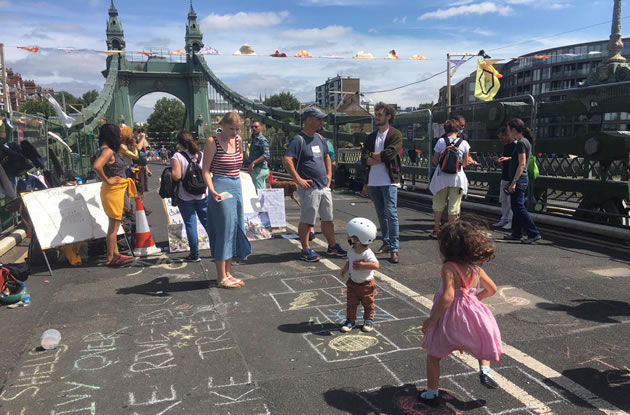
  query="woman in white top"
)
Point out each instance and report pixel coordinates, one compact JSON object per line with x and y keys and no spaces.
{"x":190,"y":206}
{"x":448,"y":185}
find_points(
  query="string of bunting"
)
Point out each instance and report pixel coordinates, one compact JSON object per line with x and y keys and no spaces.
{"x":247,"y":50}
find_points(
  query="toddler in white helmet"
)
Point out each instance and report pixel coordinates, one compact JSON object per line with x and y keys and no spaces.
{"x":360,"y":268}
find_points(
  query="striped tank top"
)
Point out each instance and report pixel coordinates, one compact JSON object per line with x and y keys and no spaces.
{"x":227,"y":164}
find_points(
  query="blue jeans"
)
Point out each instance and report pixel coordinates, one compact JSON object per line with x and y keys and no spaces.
{"x":522,"y":223}
{"x":188,"y":208}
{"x":385,"y":200}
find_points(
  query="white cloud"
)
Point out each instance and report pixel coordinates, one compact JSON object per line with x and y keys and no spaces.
{"x":479,"y":8}
{"x":242,"y":20}
{"x":402,"y":20}
{"x":483,"y":32}
{"x":329,"y":32}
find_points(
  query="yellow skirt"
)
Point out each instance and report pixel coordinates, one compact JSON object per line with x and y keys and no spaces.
{"x":113,"y":197}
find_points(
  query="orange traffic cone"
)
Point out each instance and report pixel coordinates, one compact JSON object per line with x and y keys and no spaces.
{"x":144,"y":245}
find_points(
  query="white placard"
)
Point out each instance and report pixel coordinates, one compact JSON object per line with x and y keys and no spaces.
{"x":68,"y":214}
{"x":272,"y":202}
{"x":250,"y":198}
{"x":176,"y":230}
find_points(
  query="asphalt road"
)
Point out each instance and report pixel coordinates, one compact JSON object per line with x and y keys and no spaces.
{"x":158,"y":337}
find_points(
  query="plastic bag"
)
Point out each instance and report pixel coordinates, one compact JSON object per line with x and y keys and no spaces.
{"x":532,"y":168}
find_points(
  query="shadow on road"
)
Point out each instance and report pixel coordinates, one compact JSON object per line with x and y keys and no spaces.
{"x":308,"y":327}
{"x":162,"y":287}
{"x":600,"y":311}
{"x":611,"y":385}
{"x":397,"y":400}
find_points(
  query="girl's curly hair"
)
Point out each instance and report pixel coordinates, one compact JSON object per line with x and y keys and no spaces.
{"x":467,"y":242}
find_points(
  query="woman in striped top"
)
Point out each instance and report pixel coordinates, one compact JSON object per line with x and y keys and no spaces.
{"x":226,"y":225}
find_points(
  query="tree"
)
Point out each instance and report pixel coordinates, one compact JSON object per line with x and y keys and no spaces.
{"x":89,"y":97}
{"x":167,"y":116}
{"x":35,"y":107}
{"x":425,"y":105}
{"x":285,"y":100}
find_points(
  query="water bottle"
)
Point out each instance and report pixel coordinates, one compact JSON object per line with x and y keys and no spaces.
{"x":26,"y":298}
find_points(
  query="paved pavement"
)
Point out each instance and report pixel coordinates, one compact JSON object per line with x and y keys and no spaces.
{"x":157,"y":336}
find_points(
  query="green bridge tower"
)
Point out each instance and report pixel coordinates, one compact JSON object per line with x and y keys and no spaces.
{"x":184,"y":80}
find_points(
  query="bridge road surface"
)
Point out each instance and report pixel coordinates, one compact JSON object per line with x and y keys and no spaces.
{"x":158,"y":337}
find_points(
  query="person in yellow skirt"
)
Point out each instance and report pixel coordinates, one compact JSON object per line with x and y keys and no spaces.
{"x":110,"y":167}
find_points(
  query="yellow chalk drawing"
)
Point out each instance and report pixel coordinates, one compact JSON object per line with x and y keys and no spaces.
{"x":179,"y":345}
{"x":187,"y":337}
{"x":175,"y":333}
{"x":189,"y":327}
{"x":413,"y":334}
{"x":303,"y":300}
{"x":352,"y":343}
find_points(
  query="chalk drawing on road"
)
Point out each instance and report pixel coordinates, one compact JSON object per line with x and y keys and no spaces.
{"x":290,"y":301}
{"x":352,"y":343}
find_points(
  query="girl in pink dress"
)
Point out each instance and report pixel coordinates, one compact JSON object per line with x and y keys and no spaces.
{"x":458,"y":320}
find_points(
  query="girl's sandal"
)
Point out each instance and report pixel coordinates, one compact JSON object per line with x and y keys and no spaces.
{"x":118,"y":261}
{"x":227,"y":283}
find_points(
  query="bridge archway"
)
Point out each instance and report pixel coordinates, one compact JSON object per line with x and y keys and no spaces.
{"x":145,"y":106}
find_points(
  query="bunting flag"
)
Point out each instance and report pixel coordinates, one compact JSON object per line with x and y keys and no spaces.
{"x":418,"y":58}
{"x":33,"y":49}
{"x":278,"y":55}
{"x":177,"y":52}
{"x":66,"y":119}
{"x":331,"y":57}
{"x":456,"y":63}
{"x":145,"y":53}
{"x":110,"y":52}
{"x":487,"y":80}
{"x":392,"y":55}
{"x":303,"y":54}
{"x":363,"y":55}
{"x":207,"y":50}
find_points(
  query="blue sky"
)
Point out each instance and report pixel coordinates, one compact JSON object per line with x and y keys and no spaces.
{"x":323,"y":27}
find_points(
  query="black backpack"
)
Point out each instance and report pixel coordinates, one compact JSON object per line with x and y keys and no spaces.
{"x":168,"y":187}
{"x":450,"y":160}
{"x":193,"y":179}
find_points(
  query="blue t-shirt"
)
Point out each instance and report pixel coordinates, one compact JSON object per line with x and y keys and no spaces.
{"x":312,"y":164}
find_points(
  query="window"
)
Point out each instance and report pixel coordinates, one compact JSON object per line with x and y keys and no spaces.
{"x":536,"y":89}
{"x":624,"y":116}
{"x":546,"y":73}
{"x":536,"y":75}
{"x":545,"y":87}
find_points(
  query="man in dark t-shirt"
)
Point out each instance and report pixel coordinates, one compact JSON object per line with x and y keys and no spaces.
{"x":504,"y":199}
{"x":308,"y":162}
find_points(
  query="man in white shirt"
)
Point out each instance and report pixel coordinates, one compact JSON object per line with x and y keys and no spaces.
{"x":381,"y":156}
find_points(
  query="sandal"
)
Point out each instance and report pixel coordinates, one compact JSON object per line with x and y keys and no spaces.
{"x":227,"y":283}
{"x":118,"y":261}
{"x":236,"y":280}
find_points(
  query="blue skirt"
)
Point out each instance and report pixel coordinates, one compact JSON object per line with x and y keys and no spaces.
{"x":226,"y":223}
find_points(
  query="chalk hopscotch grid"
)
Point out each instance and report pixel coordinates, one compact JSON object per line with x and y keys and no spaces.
{"x":284,"y":281}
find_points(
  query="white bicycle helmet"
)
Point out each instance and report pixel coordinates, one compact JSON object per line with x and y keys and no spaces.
{"x":364,"y":229}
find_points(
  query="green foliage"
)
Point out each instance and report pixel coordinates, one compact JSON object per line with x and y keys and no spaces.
{"x":89,"y":97}
{"x":285,"y":100}
{"x":167,"y":116}
{"x":34,"y":108}
{"x":425,"y":105}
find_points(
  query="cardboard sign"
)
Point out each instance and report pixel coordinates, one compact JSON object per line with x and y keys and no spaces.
{"x":66,"y":215}
{"x":177,"y":238}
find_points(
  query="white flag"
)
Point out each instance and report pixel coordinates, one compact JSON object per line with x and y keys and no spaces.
{"x":65,"y":118}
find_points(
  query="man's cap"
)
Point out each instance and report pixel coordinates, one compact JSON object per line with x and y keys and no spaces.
{"x":313,"y":112}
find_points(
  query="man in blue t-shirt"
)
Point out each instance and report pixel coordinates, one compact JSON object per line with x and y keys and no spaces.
{"x":308,"y":162}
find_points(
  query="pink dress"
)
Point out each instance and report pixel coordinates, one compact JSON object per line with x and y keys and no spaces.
{"x":467,"y":324}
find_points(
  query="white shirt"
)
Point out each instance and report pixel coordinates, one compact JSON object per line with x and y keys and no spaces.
{"x":440,"y":180}
{"x":379,"y":176}
{"x":183,"y":163}
{"x":360,"y":275}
